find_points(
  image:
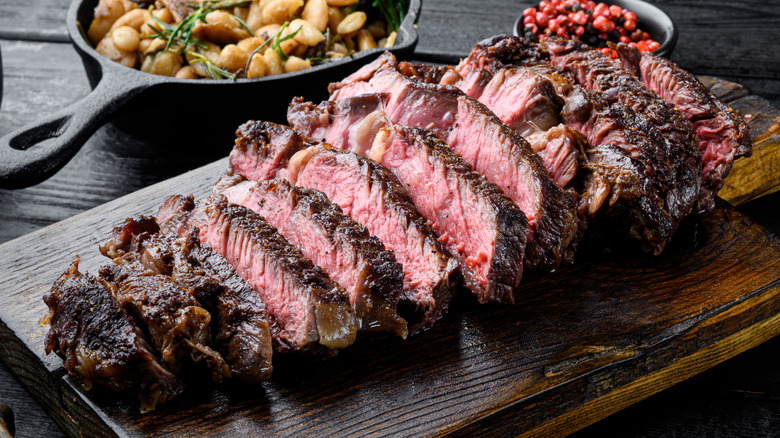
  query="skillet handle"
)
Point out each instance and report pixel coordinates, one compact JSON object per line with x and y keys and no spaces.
{"x":37,"y":151}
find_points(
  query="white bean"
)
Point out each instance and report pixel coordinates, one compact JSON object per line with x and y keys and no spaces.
{"x":365,"y":40}
{"x":106,"y":13}
{"x":308,"y":34}
{"x":279,"y":11}
{"x":352,"y":22}
{"x":187,"y":72}
{"x":295,"y":63}
{"x":341,"y":3}
{"x":107,"y":48}
{"x":316,"y":13}
{"x":273,"y":62}
{"x":233,"y":58}
{"x":125,"y":38}
{"x":135,"y":19}
{"x":257,"y":67}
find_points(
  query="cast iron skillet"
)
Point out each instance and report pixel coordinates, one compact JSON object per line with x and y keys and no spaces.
{"x":165,"y":109}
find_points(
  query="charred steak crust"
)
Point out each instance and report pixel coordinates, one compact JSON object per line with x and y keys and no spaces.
{"x":426,"y":297}
{"x":554,"y":240}
{"x":99,"y":342}
{"x":378,"y":277}
{"x":722,"y":134}
{"x":177,"y":325}
{"x":254,"y":147}
{"x":334,"y":324}
{"x":240,"y":327}
{"x":662,"y":121}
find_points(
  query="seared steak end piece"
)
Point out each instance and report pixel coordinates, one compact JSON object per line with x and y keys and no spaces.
{"x":100,"y":343}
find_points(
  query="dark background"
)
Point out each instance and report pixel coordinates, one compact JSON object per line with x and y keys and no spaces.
{"x":737,"y":41}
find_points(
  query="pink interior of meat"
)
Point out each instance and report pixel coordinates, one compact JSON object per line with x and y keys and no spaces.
{"x":282,"y":301}
{"x":275,"y":203}
{"x":491,"y":153}
{"x":348,"y":186}
{"x":451,"y":209}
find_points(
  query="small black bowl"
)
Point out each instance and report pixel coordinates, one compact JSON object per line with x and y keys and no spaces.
{"x":650,"y":18}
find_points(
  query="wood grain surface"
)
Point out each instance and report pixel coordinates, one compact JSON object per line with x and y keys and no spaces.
{"x":740,"y":397}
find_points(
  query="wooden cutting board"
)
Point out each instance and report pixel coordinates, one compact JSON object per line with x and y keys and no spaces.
{"x":580,"y":344}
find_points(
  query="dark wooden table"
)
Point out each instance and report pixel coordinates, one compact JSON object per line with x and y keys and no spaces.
{"x":734,"y":41}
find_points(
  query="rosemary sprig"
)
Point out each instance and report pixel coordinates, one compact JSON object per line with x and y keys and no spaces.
{"x":212,"y":69}
{"x":182,"y":33}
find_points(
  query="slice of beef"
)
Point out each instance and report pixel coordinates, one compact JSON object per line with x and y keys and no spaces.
{"x":374,"y":196}
{"x":506,"y":159}
{"x":722,"y":134}
{"x":481,"y":227}
{"x":336,"y":242}
{"x":408,"y":102}
{"x":662,"y":192}
{"x":671,"y":133}
{"x":100,"y":343}
{"x":306,"y":309}
{"x":177,"y":325}
{"x":240,"y":331}
{"x":521,"y":98}
{"x":627,"y":185}
{"x":261,"y":147}
{"x":485,"y":142}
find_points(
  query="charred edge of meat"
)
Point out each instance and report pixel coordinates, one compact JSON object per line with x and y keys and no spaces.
{"x":555,"y":230}
{"x":336,"y":326}
{"x":661,"y":121}
{"x":620,"y":157}
{"x":177,"y":325}
{"x":419,"y":314}
{"x":122,"y":235}
{"x":500,"y":51}
{"x":240,"y":330}
{"x":257,"y":141}
{"x":379,"y":275}
{"x":702,"y":108}
{"x":503,"y":275}
{"x":100,"y":343}
{"x":430,"y":74}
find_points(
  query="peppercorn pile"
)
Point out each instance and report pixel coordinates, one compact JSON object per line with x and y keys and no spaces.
{"x":593,"y":23}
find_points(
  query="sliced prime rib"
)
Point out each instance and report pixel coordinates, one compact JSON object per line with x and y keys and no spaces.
{"x":177,"y":324}
{"x":664,"y":124}
{"x":481,"y":227}
{"x":240,"y":331}
{"x":100,"y":343}
{"x":333,"y":241}
{"x":636,"y":178}
{"x":306,"y":309}
{"x":493,"y":149}
{"x":374,"y":197}
{"x":723,"y":135}
{"x":521,"y":98}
